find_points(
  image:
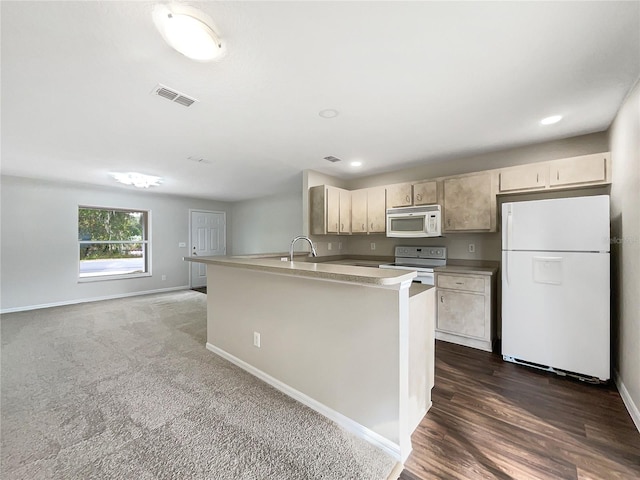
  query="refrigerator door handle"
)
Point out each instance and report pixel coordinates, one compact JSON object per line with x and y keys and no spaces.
{"x":509,"y":232}
{"x":506,"y":266}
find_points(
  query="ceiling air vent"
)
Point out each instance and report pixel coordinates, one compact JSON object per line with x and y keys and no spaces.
{"x":332,"y":159}
{"x":173,"y":95}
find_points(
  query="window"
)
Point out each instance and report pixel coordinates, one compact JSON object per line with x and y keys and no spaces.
{"x":113,"y":243}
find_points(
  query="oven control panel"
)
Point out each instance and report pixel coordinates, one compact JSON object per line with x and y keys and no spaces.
{"x":435,"y":253}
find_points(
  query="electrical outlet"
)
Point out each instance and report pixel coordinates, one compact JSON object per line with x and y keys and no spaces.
{"x":164,"y":277}
{"x":329,"y":246}
{"x":256,"y":339}
{"x":472,"y":248}
{"x":373,"y":246}
{"x":182,"y":244}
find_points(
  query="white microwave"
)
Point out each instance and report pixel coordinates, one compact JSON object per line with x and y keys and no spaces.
{"x":414,"y":222}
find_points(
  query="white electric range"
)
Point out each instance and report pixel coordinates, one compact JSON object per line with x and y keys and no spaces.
{"x":422,"y":259}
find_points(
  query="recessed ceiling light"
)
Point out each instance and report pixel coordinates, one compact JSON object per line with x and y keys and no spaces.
{"x":139,"y":180}
{"x":328,"y":113}
{"x":356,"y":164}
{"x":186,"y":33}
{"x":551,"y":120}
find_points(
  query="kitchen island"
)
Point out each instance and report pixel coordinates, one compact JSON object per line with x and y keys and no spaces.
{"x":354,"y":343}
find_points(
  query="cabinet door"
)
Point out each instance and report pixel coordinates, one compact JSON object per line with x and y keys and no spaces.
{"x":425,"y":193}
{"x":461,"y":313}
{"x":526,"y":177}
{"x":577,"y":170}
{"x":359,"y":211}
{"x":399,"y":195}
{"x":333,"y":209}
{"x":376,"y":211}
{"x":345,"y":211}
{"x":468,"y":202}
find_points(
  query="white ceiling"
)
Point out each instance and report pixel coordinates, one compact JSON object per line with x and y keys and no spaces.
{"x":414,"y":82}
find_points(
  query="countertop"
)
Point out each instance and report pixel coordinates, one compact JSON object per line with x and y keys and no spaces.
{"x":475,"y":270}
{"x":459,"y":266}
{"x":327,"y":271}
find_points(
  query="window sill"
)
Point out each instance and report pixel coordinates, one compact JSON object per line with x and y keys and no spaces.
{"x":103,"y":278}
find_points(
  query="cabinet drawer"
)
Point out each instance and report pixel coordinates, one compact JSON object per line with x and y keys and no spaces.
{"x":461,"y":282}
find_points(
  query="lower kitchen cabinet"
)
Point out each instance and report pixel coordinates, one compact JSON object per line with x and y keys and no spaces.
{"x":465,"y":311}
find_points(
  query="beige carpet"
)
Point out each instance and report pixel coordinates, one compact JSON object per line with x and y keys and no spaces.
{"x":125,"y":389}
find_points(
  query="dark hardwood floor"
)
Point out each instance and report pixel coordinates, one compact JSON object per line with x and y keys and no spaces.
{"x":494,"y":419}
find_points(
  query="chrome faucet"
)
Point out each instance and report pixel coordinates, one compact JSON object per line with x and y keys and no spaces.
{"x":302,"y":237}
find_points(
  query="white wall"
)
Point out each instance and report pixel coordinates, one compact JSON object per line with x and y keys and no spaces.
{"x":625,"y":250}
{"x":266,"y":225}
{"x":39,"y":260}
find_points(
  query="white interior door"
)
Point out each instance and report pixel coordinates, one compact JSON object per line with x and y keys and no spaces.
{"x":208,"y":238}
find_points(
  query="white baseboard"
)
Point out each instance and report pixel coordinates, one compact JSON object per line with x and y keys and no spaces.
{"x":628,"y":401}
{"x":93,"y":299}
{"x":361,"y":431}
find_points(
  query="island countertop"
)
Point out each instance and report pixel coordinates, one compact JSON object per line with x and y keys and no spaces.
{"x":338,"y":273}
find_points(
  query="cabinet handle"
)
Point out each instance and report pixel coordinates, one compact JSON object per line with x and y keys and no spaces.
{"x":342,"y":226}
{"x":459,"y":283}
{"x":441,"y":299}
{"x":537,"y":178}
{"x":371,"y":225}
{"x":408,"y":199}
{"x":419,"y":197}
{"x":557,"y":174}
{"x":363,"y":227}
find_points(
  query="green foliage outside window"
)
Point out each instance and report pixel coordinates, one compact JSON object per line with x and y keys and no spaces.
{"x":125,"y":229}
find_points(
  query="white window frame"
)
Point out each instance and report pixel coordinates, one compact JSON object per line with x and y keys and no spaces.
{"x":146,"y":241}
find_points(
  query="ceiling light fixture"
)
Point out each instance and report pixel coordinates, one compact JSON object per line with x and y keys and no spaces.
{"x":328,"y":113}
{"x":188,"y":34}
{"x":139,"y":180}
{"x":356,"y":164}
{"x":551,"y":120}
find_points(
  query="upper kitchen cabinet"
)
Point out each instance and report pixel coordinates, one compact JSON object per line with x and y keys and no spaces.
{"x":425,"y":193}
{"x":359,"y":209}
{"x":567,"y":173}
{"x":578,"y":171}
{"x":470,"y":203}
{"x":368,"y":212}
{"x":344,"y":208}
{"x":399,"y":195}
{"x":524,"y":178}
{"x":376,"y":211}
{"x":329,"y":210}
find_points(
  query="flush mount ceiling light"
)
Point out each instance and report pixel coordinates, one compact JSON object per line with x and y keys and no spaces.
{"x":185,"y":30}
{"x":551,"y":120}
{"x":328,"y":113}
{"x":139,"y":180}
{"x":356,"y":163}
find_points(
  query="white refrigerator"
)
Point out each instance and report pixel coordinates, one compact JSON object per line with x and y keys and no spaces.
{"x":555,"y":285}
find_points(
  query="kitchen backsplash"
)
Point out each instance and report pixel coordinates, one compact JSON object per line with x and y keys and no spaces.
{"x":486,"y":245}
